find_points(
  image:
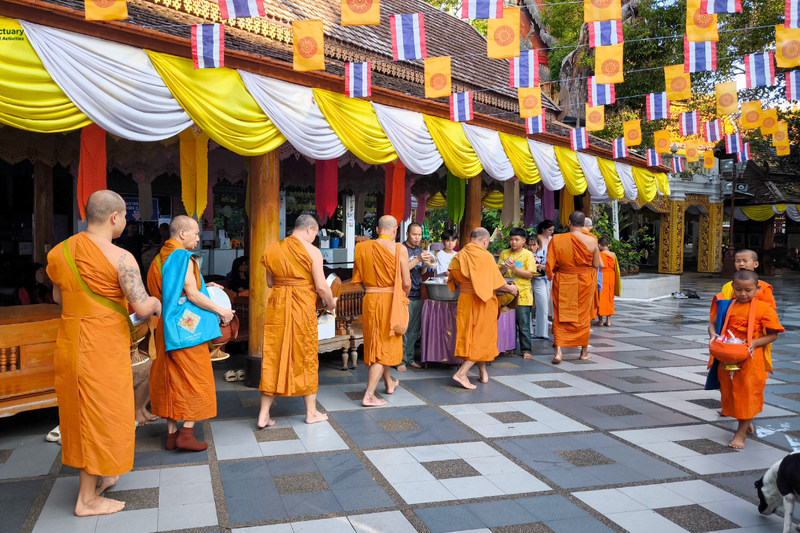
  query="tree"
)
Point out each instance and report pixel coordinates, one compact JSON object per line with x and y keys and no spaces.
{"x":454,"y":8}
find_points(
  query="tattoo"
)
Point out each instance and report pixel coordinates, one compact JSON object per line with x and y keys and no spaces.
{"x":131,"y":282}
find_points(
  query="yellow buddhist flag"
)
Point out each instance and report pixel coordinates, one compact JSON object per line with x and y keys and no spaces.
{"x":751,"y":115}
{"x":530,"y":102}
{"x":781,"y":137}
{"x":699,"y":26}
{"x":727,"y":98}
{"x":502,"y":35}
{"x":708,"y":159}
{"x":595,"y":118}
{"x":787,"y":47}
{"x":600,"y":10}
{"x":307,"y":41}
{"x":679,"y":85}
{"x":437,"y":77}
{"x":782,"y":150}
{"x":106,"y":9}
{"x":661,"y":141}
{"x":633,"y":132}
{"x":692,"y":153}
{"x":608,"y":64}
{"x":361,"y":12}
{"x":769,"y":122}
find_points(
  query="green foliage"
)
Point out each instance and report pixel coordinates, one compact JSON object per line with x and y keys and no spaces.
{"x":632,"y":250}
{"x":451,"y":6}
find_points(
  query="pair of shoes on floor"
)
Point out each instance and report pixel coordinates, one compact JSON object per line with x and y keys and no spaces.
{"x":233,"y":375}
{"x":54,"y":435}
{"x":679,"y":296}
{"x":185,"y":440}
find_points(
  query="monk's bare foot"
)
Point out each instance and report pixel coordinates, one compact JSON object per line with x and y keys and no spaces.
{"x":599,"y":322}
{"x":401,"y":368}
{"x":105,"y":482}
{"x":585,"y":356}
{"x":140,"y":419}
{"x":316,"y":418}
{"x":371,"y":401}
{"x":148,"y":415}
{"x":751,"y":429}
{"x":737,"y":442}
{"x":720,"y":413}
{"x":464,"y":382}
{"x":484,"y":377}
{"x":557,"y":358}
{"x":390,"y":386}
{"x":527,"y":356}
{"x":415,"y":365}
{"x":264,"y":422}
{"x":98,"y":506}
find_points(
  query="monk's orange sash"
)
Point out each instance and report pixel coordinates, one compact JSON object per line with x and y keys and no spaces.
{"x":290,"y":256}
{"x":398,"y":319}
{"x":465,"y":287}
{"x":378,"y":290}
{"x":290,"y":282}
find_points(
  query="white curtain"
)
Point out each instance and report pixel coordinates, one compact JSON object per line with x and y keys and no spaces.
{"x":738,"y":214}
{"x":115,"y":85}
{"x":296,"y":114}
{"x":545,"y":157}
{"x":792,"y":212}
{"x":491,"y":154}
{"x":595,"y":183}
{"x":626,"y":177}
{"x":410,"y":138}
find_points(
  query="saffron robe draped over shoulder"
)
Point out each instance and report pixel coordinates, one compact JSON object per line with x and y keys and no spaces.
{"x":376,"y":268}
{"x":743,"y":393}
{"x":764,"y":293}
{"x":93,"y":378}
{"x":569,"y":266}
{"x":181,"y":381}
{"x":605,"y":306}
{"x":290,"y":365}
{"x":477,"y":275}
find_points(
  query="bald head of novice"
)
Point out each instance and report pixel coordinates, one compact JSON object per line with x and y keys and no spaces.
{"x":106,"y":209}
{"x":185,"y":230}
{"x":306,"y":228}
{"x":480,"y":236}
{"x":387,"y":225}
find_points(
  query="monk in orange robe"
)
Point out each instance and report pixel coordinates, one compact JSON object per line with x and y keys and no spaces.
{"x":611,"y":283}
{"x":93,"y":379}
{"x":381,"y":267}
{"x":587,"y":228}
{"x":743,"y":390}
{"x":182,"y":381}
{"x":290,"y":364}
{"x":572,"y":262}
{"x":475,"y":272}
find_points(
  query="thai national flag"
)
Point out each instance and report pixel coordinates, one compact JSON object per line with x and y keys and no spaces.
{"x":657,"y":106}
{"x":235,"y":9}
{"x":699,"y":57}
{"x":524,"y":70}
{"x":605,"y":33}
{"x":482,"y":9}
{"x":535,"y":125}
{"x":358,"y":80}
{"x":733,"y":143}
{"x":759,"y":69}
{"x":712,"y":131}
{"x":579,"y":139}
{"x":713,"y":7}
{"x":600,"y":94}
{"x":744,"y":155}
{"x":792,"y":19}
{"x":408,"y":36}
{"x":620,"y":150}
{"x":690,"y":123}
{"x":677,"y":164}
{"x":461,"y":107}
{"x":653,"y":158}
{"x":208,"y":45}
{"x":793,"y":85}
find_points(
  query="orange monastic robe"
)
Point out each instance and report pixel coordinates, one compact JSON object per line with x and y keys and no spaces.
{"x":589,"y":233}
{"x":569,"y":266}
{"x":376,"y":268}
{"x":764,"y":293}
{"x":93,"y":379}
{"x":743,"y":394}
{"x":476,"y":322}
{"x":605,"y":306}
{"x":290,"y":366}
{"x":181,"y":381}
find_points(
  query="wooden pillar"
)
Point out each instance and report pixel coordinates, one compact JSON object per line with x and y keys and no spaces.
{"x":586,"y":206}
{"x":43,"y":233}
{"x":767,"y":268}
{"x":709,"y":253}
{"x":472,"y":209}
{"x":265,"y":173}
{"x":670,"y":241}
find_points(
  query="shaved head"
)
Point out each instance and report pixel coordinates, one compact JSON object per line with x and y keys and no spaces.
{"x":101,"y":205}
{"x":753,"y":254}
{"x":181,"y":223}
{"x":577,"y":219}
{"x":587,"y":223}
{"x":745,"y":275}
{"x":479,"y":234}
{"x":304,"y":222}
{"x":387,"y":222}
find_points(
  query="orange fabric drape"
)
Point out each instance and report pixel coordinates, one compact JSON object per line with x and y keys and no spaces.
{"x":395,"y":196}
{"x":92,"y":165}
{"x":326,"y":195}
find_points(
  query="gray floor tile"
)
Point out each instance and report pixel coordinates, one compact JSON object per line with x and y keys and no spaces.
{"x":33,"y":456}
{"x":393,"y":521}
{"x":187,"y":516}
{"x":16,"y":499}
{"x":141,"y":521}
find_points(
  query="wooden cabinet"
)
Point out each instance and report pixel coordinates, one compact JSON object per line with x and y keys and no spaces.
{"x":27,"y":344}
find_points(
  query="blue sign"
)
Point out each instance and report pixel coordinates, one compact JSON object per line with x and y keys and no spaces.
{"x":132,"y":207}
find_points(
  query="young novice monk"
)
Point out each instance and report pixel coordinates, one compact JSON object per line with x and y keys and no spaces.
{"x":743,"y":390}
{"x":611,"y":283}
{"x":443,"y":258}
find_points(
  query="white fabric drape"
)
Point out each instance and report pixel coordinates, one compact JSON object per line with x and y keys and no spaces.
{"x":410,"y":138}
{"x":595,"y":183}
{"x":626,"y":177}
{"x":296,"y":114}
{"x":738,"y":214}
{"x":545,"y":157}
{"x":792,"y":212}
{"x":490,"y":151}
{"x":115,"y":85}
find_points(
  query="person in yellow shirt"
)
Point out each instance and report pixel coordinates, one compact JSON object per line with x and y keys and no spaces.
{"x":520,"y":264}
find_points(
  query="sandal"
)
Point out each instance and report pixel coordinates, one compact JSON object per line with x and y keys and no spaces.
{"x":54,"y":435}
{"x":230,"y":376}
{"x":240,"y":375}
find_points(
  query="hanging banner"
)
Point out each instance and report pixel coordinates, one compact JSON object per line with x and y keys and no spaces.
{"x":361,"y":13}
{"x":133,"y":213}
{"x":502,"y":35}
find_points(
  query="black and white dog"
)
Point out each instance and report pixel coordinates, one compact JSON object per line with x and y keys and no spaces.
{"x":780,"y":485}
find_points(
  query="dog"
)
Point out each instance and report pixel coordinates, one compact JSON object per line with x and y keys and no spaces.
{"x":780,"y":485}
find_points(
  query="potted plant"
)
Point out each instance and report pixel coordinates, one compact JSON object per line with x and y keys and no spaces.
{"x":335,"y":236}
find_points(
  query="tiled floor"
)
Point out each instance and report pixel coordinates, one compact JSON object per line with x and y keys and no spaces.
{"x":628,"y":441}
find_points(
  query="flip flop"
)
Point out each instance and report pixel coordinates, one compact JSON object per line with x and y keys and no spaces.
{"x":54,"y":435}
{"x":230,"y":376}
{"x":240,"y":375}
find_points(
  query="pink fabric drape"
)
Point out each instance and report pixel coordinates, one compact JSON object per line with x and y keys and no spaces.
{"x":422,"y":202}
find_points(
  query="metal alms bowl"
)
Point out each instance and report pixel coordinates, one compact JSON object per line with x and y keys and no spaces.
{"x":440,"y":292}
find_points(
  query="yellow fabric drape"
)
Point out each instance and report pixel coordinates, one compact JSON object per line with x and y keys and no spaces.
{"x":356,"y":124}
{"x":29,"y":98}
{"x":566,"y":205}
{"x":521,"y":159}
{"x":459,"y":156}
{"x":760,"y":213}
{"x":437,"y":201}
{"x":194,"y":171}
{"x":614,"y":188}
{"x":574,"y":178}
{"x":217,"y":101}
{"x":492,"y":199}
{"x":662,"y":181}
{"x":645,"y":183}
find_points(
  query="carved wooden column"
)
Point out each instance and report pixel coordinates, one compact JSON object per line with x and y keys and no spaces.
{"x":670,"y":241}
{"x":472,"y":209}
{"x":709,"y":253}
{"x":43,"y":232}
